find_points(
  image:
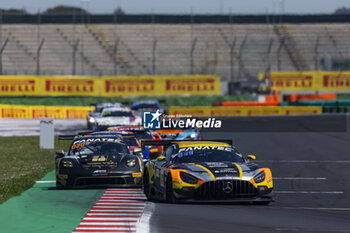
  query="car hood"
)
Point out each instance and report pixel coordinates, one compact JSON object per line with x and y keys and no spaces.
{"x":105,"y":161}
{"x":113,"y":120}
{"x":221,"y":170}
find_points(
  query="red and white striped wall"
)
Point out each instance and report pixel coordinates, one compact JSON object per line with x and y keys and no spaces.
{"x":118,"y":210}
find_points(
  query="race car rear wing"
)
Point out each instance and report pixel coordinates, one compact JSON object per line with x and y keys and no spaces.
{"x":71,"y":137}
{"x":66,"y":137}
{"x":167,"y":143}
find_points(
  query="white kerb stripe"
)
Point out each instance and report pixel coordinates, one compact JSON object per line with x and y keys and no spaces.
{"x":309,"y":192}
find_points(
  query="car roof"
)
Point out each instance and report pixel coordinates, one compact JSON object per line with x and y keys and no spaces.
{"x":137,"y":103}
{"x":107,"y":104}
{"x":202,"y":143}
{"x":114,"y":109}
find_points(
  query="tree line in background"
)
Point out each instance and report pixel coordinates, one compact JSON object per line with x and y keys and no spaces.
{"x":59,"y":10}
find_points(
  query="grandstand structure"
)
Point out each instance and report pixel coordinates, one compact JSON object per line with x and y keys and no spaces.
{"x":236,"y":52}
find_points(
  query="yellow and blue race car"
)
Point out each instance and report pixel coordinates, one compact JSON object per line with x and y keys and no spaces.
{"x":205,"y":171}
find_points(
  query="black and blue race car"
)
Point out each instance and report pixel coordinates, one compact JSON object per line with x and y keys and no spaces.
{"x":150,"y":105}
{"x":98,"y":160}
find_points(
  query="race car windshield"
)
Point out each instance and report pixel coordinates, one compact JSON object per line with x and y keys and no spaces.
{"x":147,"y":106}
{"x":208,"y":155}
{"x":144,"y":136}
{"x":130,"y":141}
{"x":98,"y":148}
{"x":117,"y":114}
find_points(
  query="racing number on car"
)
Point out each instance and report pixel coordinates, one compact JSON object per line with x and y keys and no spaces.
{"x":99,"y":158}
{"x":76,"y":146}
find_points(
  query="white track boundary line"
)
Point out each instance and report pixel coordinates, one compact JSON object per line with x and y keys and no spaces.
{"x":299,"y":178}
{"x":45,"y":181}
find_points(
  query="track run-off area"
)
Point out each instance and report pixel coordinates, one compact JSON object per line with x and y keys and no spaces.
{"x":311,"y":181}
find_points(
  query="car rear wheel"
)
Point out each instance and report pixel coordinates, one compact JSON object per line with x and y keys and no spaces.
{"x":170,"y":197}
{"x":146,"y":186}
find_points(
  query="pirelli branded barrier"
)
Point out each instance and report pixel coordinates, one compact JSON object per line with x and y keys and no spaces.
{"x":309,"y":81}
{"x":109,"y":86}
{"x":205,"y":111}
{"x":36,"y":112}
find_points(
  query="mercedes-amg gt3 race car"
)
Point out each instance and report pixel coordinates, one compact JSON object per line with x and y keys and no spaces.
{"x":98,"y":161}
{"x":205,"y":171}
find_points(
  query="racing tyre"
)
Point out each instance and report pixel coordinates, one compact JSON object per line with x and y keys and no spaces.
{"x":146,"y":186}
{"x":58,"y":185}
{"x":262,"y":202}
{"x":170,"y":197}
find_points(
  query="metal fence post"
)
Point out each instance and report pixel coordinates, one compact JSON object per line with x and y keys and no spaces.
{"x":232,"y":71}
{"x":38,"y":57}
{"x":115,"y":59}
{"x":39,"y":44}
{"x":74,"y":54}
{"x":268,"y":57}
{"x":279,"y":61}
{"x":0,"y":27}
{"x":316,"y":52}
{"x":154,"y":47}
{"x":240,"y":55}
{"x":192,"y":42}
{"x":82,"y":42}
{"x":1,"y":52}
{"x":193,"y":46}
{"x":154,"y":44}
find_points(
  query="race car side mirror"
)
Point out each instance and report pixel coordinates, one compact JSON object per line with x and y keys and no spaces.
{"x":160,"y":158}
{"x":60,"y":153}
{"x":251,"y":157}
{"x":137,"y":150}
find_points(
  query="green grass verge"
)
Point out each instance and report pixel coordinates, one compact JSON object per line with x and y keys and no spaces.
{"x":343,"y":96}
{"x":84,"y":101}
{"x":22,"y":163}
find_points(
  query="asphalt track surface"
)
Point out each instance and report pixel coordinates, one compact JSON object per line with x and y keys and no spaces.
{"x":311,"y":180}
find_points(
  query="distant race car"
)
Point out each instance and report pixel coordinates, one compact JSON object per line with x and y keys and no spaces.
{"x":179,"y":134}
{"x":143,"y":134}
{"x":98,"y":161}
{"x":205,"y":171}
{"x":188,"y":134}
{"x":115,"y":116}
{"x":129,"y":138}
{"x":97,"y":112}
{"x":142,"y":106}
{"x":169,"y":134}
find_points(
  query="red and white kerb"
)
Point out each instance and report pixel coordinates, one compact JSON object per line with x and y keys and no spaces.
{"x":118,"y":210}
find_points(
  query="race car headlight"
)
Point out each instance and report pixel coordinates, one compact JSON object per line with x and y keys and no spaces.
{"x":67,"y":163}
{"x":131,"y":163}
{"x":187,"y":178}
{"x":259,"y":177}
{"x":92,"y":120}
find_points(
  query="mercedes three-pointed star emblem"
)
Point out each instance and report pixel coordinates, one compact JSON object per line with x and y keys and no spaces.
{"x":227,"y":187}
